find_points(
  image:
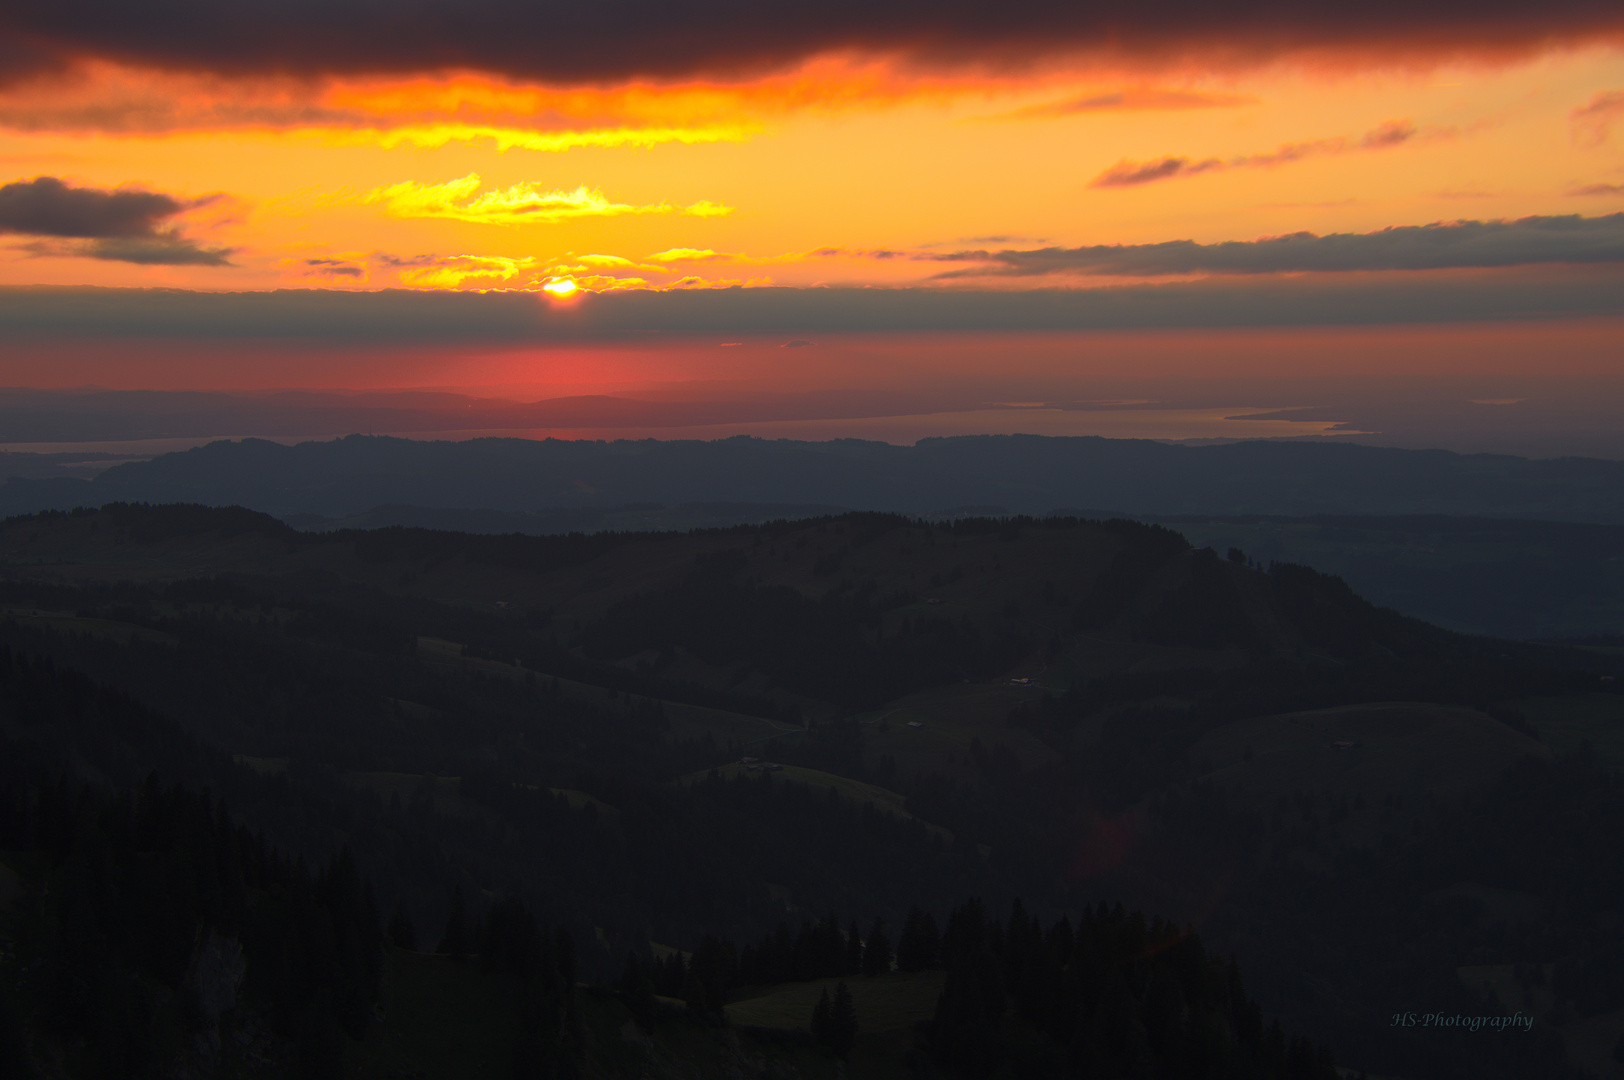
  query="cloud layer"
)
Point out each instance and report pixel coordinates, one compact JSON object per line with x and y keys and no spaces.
{"x":1441,"y":246}
{"x":39,"y":315}
{"x":626,"y":38}
{"x":120,"y":225}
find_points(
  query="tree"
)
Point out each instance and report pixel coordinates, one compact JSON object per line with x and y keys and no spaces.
{"x":877,"y":951}
{"x":402,"y":934}
{"x":842,"y":1026}
{"x":455,"y":939}
{"x":854,"y":950}
{"x":916,"y":948}
{"x":14,"y":1060}
{"x":637,"y":989}
{"x":712,"y":969}
{"x":820,"y":1019}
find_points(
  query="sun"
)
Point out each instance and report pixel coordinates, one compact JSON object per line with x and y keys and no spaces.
{"x":561,"y":287}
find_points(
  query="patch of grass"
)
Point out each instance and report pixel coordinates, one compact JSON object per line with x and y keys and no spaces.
{"x":441,"y":1019}
{"x":578,"y":799}
{"x":66,"y":622}
{"x":887,"y":1003}
{"x":1567,"y":723}
{"x":855,"y":790}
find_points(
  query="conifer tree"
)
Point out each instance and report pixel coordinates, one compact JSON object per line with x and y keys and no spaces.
{"x":14,"y":1059}
{"x":455,"y":940}
{"x":877,"y":951}
{"x":820,"y":1019}
{"x":842,"y":1028}
{"x":402,"y":934}
{"x":916,"y":948}
{"x":638,"y":990}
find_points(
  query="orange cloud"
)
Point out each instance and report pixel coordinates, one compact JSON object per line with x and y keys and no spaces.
{"x":1592,"y":122}
{"x":502,"y":139}
{"x":1134,"y":173}
{"x":426,"y":111}
{"x":693,"y":255}
{"x":518,"y":204}
{"x":1136,"y":99}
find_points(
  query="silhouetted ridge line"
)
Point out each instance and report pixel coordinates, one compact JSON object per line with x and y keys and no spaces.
{"x":1026,"y":474}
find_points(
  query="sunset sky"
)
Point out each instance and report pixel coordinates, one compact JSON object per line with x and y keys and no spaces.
{"x":1413,"y":175}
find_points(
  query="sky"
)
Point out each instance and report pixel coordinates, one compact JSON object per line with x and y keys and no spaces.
{"x":1253,"y":204}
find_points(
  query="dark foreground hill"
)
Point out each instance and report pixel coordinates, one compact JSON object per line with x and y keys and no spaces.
{"x":655,"y":740}
{"x":1017,"y":473}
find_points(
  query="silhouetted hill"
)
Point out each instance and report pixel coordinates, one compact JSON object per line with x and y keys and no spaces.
{"x":1069,"y":712}
{"x":1023,"y":474}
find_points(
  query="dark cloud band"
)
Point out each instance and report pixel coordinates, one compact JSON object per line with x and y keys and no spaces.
{"x":1452,"y":245}
{"x":610,"y":39}
{"x":394,"y":317}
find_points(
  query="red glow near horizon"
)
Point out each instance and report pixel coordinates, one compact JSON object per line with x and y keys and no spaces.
{"x":1060,"y":362}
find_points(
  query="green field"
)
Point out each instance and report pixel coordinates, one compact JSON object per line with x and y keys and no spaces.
{"x":442,"y":1019}
{"x":887,"y":1003}
{"x":855,"y":790}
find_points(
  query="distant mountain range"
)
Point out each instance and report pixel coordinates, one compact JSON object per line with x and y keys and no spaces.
{"x":1008,"y":473}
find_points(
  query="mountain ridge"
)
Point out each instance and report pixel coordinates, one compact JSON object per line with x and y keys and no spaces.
{"x":1024,"y":473}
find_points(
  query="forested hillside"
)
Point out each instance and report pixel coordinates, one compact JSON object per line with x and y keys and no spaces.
{"x":651,"y":742}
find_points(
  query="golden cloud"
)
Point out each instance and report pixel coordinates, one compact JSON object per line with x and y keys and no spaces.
{"x":519,"y":204}
{"x":454,"y":271}
{"x":673,"y":255}
{"x":704,"y":208}
{"x":606,"y":262}
{"x":503,"y":139}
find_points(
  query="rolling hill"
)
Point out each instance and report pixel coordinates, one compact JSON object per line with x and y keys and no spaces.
{"x":1061,"y":710}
